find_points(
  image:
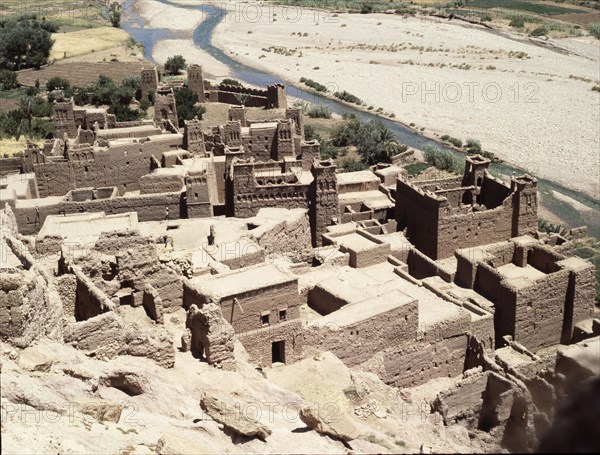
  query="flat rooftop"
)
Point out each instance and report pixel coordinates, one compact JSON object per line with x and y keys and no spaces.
{"x":360,"y":311}
{"x":355,"y":242}
{"x":374,"y":199}
{"x":87,"y":226}
{"x":520,"y":277}
{"x":242,"y":281}
{"x":115,"y":132}
{"x":348,"y":178}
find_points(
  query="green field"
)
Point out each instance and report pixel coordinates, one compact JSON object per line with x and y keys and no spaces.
{"x":68,"y":14}
{"x":544,"y":8}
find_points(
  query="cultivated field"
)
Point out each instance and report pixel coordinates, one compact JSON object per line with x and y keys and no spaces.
{"x":86,"y":41}
{"x":82,"y":74}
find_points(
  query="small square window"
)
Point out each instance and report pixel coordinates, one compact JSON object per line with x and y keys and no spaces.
{"x":283,"y":314}
{"x":264,"y":319}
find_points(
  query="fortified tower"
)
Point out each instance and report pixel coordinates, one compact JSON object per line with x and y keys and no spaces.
{"x":525,"y":205}
{"x":149,"y":81}
{"x":198,"y":196}
{"x":164,"y":108}
{"x":64,"y":116}
{"x":193,"y":138}
{"x":285,"y":141}
{"x":324,"y":209}
{"x":276,"y":96}
{"x":196,"y":81}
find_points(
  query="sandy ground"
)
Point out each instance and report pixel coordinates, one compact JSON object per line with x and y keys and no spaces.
{"x":179,"y":22}
{"x":167,"y":48}
{"x":529,"y":111}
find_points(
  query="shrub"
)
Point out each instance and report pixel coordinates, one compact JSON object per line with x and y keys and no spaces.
{"x":8,"y":80}
{"x":348,"y":97}
{"x":366,"y":9}
{"x":473,"y":146}
{"x":443,"y":159}
{"x":313,"y":84}
{"x":517,"y":22}
{"x":350,"y":165}
{"x":174,"y":64}
{"x":540,"y":31}
{"x":57,"y":82}
{"x":310,"y":133}
{"x":229,"y":81}
{"x":594,"y":29}
{"x":319,"y":111}
{"x":415,"y":169}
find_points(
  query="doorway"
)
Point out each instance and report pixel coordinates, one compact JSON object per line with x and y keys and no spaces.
{"x":278,"y":352}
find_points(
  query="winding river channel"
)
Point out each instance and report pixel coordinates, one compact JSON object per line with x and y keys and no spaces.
{"x":202,"y":38}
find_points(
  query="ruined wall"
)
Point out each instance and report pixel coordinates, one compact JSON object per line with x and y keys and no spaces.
{"x":417,"y":214}
{"x":472,"y":229}
{"x":288,"y":237}
{"x":120,"y":165}
{"x":149,"y":207}
{"x":417,"y":362}
{"x":581,"y":296}
{"x":10,"y":165}
{"x":106,"y":336}
{"x":30,"y":306}
{"x":161,"y":183}
{"x":540,"y":310}
{"x":212,"y":337}
{"x":357,"y":343}
{"x":259,"y":343}
{"x":90,"y":301}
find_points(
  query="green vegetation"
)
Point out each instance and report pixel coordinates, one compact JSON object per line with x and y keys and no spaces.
{"x":310,"y":133}
{"x":57,"y":82}
{"x":594,"y":29}
{"x":174,"y":64}
{"x":540,"y":31}
{"x":348,"y":97}
{"x":545,"y":8}
{"x":31,"y":118}
{"x":313,"y":84}
{"x":187,"y":109}
{"x":444,"y":160}
{"x":350,"y":165}
{"x":319,"y":111}
{"x":586,"y":248}
{"x":473,"y":146}
{"x":373,"y":140}
{"x":25,"y":42}
{"x":229,"y":81}
{"x":452,"y":140}
{"x":550,"y":228}
{"x":415,"y":169}
{"x":8,"y":80}
{"x":114,"y":14}
{"x":589,"y":248}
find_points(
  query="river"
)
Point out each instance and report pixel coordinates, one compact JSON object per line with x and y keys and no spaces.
{"x":202,"y":38}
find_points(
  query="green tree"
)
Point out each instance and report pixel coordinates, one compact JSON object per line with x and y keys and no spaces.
{"x":187,"y":108}
{"x":8,"y":80}
{"x":57,"y":82}
{"x":114,"y":14}
{"x":174,"y":64}
{"x":25,"y":42}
